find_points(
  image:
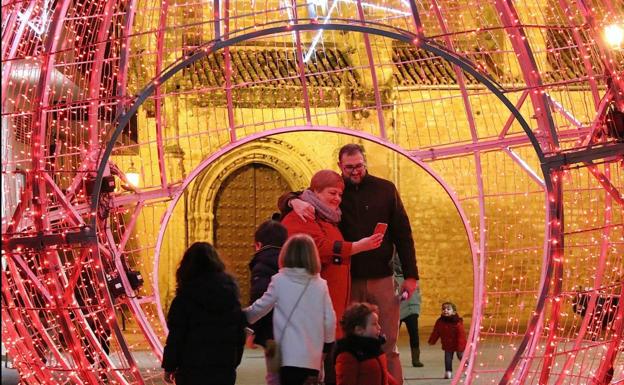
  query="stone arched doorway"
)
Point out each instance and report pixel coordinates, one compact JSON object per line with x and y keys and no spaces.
{"x":244,"y":200}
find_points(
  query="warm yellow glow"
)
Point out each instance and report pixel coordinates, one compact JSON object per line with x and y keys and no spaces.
{"x":614,"y":35}
{"x":133,"y":178}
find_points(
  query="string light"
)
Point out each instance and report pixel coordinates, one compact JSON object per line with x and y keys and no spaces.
{"x":429,"y":113}
{"x":614,"y":35}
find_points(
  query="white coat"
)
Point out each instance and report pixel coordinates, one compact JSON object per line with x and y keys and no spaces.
{"x":312,"y":324}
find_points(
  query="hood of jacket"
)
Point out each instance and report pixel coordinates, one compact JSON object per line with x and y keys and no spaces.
{"x":362,"y":348}
{"x":296,"y":274}
{"x":212,"y":291}
{"x":452,"y":319}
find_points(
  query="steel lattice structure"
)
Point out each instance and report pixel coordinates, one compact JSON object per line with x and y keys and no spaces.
{"x":75,"y":74}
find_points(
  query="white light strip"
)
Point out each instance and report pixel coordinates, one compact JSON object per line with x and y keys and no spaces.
{"x":379,"y":7}
{"x":43,"y":19}
{"x":526,"y":166}
{"x":327,"y":18}
{"x":319,"y":33}
{"x":406,"y":3}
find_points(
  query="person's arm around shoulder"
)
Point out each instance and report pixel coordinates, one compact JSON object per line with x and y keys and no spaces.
{"x":263,"y":305}
{"x":290,"y":201}
{"x":347,"y":368}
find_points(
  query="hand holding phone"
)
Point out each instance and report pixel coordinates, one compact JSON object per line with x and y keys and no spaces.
{"x":380,"y":228}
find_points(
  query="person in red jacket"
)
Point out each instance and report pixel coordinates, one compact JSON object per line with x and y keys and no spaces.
{"x":325,"y":195}
{"x":360,"y":360}
{"x":450,"y":329}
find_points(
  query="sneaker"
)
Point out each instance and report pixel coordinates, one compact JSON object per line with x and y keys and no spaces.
{"x":448,"y":375}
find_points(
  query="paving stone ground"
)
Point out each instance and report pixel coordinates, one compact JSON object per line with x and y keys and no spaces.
{"x":251,"y":371}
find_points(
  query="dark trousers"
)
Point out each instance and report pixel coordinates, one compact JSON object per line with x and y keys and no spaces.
{"x":207,"y":377}
{"x":328,"y":366}
{"x":291,"y":375}
{"x":448,"y":360}
{"x":411,"y":323}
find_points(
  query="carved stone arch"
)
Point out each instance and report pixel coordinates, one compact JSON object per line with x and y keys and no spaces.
{"x":275,"y":153}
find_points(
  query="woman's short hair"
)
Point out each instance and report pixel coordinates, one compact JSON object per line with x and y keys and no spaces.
{"x":356,"y":315}
{"x":324,"y":179}
{"x":200,"y":258}
{"x":300,"y":251}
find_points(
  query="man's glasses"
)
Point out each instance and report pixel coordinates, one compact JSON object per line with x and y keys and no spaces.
{"x":353,"y":167}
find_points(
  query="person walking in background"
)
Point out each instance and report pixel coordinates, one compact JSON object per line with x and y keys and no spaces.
{"x":409,"y":313}
{"x":366,"y":201}
{"x":449,"y":327}
{"x":304,"y":321}
{"x":268,"y":240}
{"x":360,"y":359}
{"x":206,"y":323}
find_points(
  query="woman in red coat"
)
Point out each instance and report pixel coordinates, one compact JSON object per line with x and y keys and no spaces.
{"x":325,"y":194}
{"x":450,"y":329}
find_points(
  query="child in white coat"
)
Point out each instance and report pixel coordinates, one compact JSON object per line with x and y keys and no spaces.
{"x":304,"y":321}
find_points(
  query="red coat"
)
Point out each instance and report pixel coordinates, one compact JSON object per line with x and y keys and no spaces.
{"x":335,"y":255}
{"x":360,"y":361}
{"x":451,"y":331}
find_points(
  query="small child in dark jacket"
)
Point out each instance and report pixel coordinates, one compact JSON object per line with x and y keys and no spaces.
{"x":268,"y":241}
{"x":359,"y":357}
{"x":450,"y":328}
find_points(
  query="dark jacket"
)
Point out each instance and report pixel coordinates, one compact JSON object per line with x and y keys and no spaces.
{"x":263,"y":266}
{"x":361,"y":361}
{"x":363,"y":205}
{"x":451,"y":331}
{"x":206,"y":331}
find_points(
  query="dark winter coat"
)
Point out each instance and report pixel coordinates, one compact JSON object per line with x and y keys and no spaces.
{"x":206,"y":331}
{"x":361,"y":361}
{"x":263,"y":266}
{"x":451,"y":331}
{"x":363,"y":205}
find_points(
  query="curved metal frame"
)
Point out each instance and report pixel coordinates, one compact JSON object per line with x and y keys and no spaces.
{"x":232,"y":146}
{"x":411,"y":39}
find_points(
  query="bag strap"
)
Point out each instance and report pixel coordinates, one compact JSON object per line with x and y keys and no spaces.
{"x":294,"y":307}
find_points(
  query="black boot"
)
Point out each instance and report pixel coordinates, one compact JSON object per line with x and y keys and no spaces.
{"x":416,"y":358}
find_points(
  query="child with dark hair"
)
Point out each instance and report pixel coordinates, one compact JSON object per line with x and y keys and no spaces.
{"x":360,"y":359}
{"x":449,"y":327}
{"x":205,"y":321}
{"x":268,"y":241}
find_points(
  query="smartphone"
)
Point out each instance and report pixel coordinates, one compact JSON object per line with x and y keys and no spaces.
{"x":380,"y":228}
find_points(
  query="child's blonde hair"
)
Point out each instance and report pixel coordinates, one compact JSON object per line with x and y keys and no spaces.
{"x":300,"y":251}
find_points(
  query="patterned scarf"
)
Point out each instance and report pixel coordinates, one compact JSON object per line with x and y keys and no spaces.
{"x":322,"y":211}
